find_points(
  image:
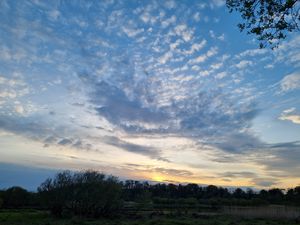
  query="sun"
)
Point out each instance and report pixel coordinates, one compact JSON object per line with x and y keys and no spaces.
{"x":158,"y":178}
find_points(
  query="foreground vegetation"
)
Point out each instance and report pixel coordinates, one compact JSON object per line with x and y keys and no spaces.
{"x":35,"y":217}
{"x":90,"y":197}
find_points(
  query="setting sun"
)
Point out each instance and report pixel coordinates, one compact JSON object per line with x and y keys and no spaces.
{"x":158,"y":178}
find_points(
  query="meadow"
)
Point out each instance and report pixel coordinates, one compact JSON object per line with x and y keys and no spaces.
{"x":38,"y":217}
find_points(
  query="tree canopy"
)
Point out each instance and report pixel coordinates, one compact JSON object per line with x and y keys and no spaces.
{"x":87,"y":193}
{"x":269,"y":20}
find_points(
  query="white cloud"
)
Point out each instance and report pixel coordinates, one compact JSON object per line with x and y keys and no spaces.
{"x":212,"y":34}
{"x":145,"y":17}
{"x":167,"y":22}
{"x":211,"y":52}
{"x":269,"y":66}
{"x":221,"y":75}
{"x":19,"y":109}
{"x":12,"y":88}
{"x":5,"y":54}
{"x":221,"y":37}
{"x":290,"y":115}
{"x":201,"y":5}
{"x":132,"y":32}
{"x":174,"y":45}
{"x":289,"y":52}
{"x":218,"y":3}
{"x":290,"y":110}
{"x":8,"y":94}
{"x":216,"y":66}
{"x":196,"y":68}
{"x":204,"y":73}
{"x":166,"y":57}
{"x":196,"y":47}
{"x":54,"y":14}
{"x":200,"y":59}
{"x":2,"y":80}
{"x":290,"y":82}
{"x":253,"y":52}
{"x":292,"y":118}
{"x":196,"y":16}
{"x":170,"y":4}
{"x":243,"y":64}
{"x":183,"y":31}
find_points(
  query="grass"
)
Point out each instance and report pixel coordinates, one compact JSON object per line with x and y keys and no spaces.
{"x":35,"y":217}
{"x":273,"y":211}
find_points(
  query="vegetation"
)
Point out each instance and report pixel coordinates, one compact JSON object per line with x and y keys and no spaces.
{"x":269,"y":20}
{"x":35,"y":217}
{"x":90,"y":197}
{"x":83,"y":193}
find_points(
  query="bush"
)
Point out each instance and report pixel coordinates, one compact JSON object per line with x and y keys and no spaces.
{"x":86,"y":193}
{"x":15,"y":197}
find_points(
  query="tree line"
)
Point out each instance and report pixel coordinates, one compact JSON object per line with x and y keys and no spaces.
{"x":93,"y":194}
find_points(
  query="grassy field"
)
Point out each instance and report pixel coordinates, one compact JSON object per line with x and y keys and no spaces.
{"x":35,"y":217}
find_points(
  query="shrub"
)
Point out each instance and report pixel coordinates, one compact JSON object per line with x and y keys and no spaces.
{"x":87,"y":193}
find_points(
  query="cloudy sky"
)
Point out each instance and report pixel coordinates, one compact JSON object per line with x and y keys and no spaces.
{"x":150,"y":90}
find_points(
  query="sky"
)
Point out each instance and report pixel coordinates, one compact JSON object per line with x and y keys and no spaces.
{"x":165,"y":91}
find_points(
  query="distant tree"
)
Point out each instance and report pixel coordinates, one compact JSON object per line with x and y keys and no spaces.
{"x":293,"y":195}
{"x":275,"y":195}
{"x":211,"y":191}
{"x":15,"y":197}
{"x":192,"y":190}
{"x":239,"y":193}
{"x":263,"y":194}
{"x":250,"y":193}
{"x":269,"y":20}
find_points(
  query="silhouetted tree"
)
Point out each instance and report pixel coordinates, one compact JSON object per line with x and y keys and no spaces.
{"x":293,"y":195}
{"x":239,"y":193}
{"x":269,"y":20}
{"x":211,"y":191}
{"x":93,"y":194}
{"x":15,"y":197}
{"x":275,"y":195}
{"x":86,"y":193}
{"x":250,"y":194}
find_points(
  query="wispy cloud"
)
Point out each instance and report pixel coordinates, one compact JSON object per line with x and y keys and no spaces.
{"x":290,"y":82}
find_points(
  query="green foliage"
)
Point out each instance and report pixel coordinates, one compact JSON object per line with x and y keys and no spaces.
{"x":269,"y":20}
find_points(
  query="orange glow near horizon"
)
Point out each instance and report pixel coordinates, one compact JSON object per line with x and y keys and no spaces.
{"x":158,"y":178}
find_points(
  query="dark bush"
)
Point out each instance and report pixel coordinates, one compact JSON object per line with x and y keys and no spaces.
{"x":86,"y":193}
{"x":15,"y":197}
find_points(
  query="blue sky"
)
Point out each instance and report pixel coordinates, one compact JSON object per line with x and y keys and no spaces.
{"x":155,"y":90}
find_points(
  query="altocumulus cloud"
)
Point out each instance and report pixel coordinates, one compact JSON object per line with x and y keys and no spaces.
{"x":96,"y":74}
{"x":133,"y":104}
